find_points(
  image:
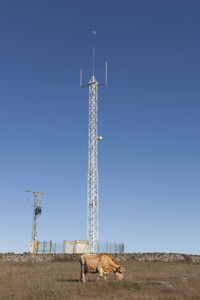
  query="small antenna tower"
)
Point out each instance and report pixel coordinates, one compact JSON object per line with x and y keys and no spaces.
{"x":37,"y":210}
{"x":93,"y":138}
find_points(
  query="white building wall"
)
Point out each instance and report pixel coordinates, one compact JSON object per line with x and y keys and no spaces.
{"x":34,"y":247}
{"x":76,"y":247}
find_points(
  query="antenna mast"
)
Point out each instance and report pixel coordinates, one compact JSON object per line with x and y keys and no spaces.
{"x":92,"y":179}
{"x":37,"y":210}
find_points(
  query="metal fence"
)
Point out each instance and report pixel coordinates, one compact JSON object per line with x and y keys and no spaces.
{"x":45,"y":247}
{"x":108,"y":247}
{"x":59,"y":247}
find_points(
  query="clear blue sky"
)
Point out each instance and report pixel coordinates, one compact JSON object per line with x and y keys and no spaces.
{"x":149,"y":166}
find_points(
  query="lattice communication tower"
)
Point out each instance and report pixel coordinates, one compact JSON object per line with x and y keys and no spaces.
{"x":37,"y":210}
{"x":92,"y":180}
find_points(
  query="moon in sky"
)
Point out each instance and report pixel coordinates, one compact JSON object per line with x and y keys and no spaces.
{"x":94,"y":32}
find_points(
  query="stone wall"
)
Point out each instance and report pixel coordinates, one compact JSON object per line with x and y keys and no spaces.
{"x":157,"y":256}
{"x":38,"y":258}
{"x":142,"y":257}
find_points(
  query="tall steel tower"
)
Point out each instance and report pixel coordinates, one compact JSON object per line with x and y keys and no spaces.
{"x":92,"y":180}
{"x":37,"y":210}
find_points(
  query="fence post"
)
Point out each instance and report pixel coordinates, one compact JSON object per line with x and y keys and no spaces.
{"x":50,"y":246}
{"x":63,"y":247}
{"x":43,"y":247}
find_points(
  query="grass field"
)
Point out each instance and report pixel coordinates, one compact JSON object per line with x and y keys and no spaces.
{"x":61,"y":280}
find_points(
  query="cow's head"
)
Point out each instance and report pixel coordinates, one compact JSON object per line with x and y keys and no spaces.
{"x":120,"y":273}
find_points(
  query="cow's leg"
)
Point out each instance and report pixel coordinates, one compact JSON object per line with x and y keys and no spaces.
{"x":81,"y":267}
{"x":83,"y":274}
{"x":105,"y":277}
{"x":100,"y":272}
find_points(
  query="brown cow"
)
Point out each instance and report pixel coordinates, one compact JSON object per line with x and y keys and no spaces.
{"x":100,"y":263}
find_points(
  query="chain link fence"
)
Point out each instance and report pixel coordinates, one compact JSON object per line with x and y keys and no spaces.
{"x":108,"y":247}
{"x":45,"y":247}
{"x":60,"y":247}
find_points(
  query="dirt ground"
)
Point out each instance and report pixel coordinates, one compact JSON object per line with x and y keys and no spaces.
{"x":61,"y":280}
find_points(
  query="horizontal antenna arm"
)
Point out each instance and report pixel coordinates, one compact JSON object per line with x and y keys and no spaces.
{"x":81,"y":79}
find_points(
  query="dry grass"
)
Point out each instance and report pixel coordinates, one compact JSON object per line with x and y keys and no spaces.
{"x":60,"y":281}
